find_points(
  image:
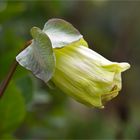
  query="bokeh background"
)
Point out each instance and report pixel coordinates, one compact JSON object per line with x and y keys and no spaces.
{"x":30,"y":110}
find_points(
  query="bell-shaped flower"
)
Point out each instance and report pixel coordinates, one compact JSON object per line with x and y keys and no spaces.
{"x":61,"y":55}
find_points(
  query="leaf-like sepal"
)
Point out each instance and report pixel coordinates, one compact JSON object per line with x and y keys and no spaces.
{"x":61,"y":32}
{"x":38,"y":57}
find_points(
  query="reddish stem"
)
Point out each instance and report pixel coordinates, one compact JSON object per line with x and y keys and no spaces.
{"x":8,"y":78}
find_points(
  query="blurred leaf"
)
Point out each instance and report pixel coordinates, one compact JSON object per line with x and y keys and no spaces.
{"x":12,"y":109}
{"x":26,"y":86}
{"x":7,"y":137}
{"x":9,"y":10}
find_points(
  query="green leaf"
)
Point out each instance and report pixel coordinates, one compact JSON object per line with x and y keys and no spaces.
{"x":61,"y":33}
{"x":39,"y":56}
{"x":26,"y":86}
{"x":7,"y":137}
{"x":12,"y":109}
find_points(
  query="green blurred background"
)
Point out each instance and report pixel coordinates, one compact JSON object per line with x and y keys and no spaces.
{"x":30,"y":110}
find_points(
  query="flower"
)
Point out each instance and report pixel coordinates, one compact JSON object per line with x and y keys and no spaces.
{"x":61,"y":55}
{"x":87,"y":76}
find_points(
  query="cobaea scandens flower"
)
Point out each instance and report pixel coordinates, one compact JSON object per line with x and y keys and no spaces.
{"x":60,"y":54}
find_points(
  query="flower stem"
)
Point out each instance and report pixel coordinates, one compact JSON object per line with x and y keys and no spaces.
{"x":13,"y":67}
{"x":6,"y":81}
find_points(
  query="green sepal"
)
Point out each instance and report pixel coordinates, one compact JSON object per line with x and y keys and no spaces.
{"x":61,"y":32}
{"x":38,"y":57}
